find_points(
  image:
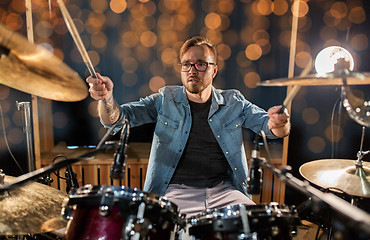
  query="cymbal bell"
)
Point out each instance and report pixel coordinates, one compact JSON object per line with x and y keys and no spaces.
{"x":30,"y":68}
{"x":31,"y":209}
{"x":355,"y":78}
{"x":340,"y":174}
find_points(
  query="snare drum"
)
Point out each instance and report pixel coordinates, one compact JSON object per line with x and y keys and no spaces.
{"x":271,"y":221}
{"x":112,"y":212}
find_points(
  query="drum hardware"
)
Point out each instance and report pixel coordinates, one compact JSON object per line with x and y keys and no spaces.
{"x":28,"y":131}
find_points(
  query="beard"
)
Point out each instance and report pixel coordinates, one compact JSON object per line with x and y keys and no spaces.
{"x":196,"y":88}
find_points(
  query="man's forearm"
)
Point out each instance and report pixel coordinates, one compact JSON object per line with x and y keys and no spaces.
{"x":108,"y":111}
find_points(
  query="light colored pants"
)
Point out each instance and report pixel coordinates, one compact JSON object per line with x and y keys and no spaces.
{"x":192,"y":201}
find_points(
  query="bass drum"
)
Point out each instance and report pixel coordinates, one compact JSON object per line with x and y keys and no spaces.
{"x":114,"y":213}
{"x":271,"y":221}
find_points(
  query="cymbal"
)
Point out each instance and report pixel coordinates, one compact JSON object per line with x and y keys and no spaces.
{"x":340,"y":174}
{"x":30,"y":209}
{"x":354,"y":78}
{"x":31,"y":68}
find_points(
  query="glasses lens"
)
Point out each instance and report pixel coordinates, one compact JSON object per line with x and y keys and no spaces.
{"x":185,"y":67}
{"x":201,"y":66}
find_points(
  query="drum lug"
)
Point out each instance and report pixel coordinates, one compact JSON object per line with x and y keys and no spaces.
{"x":137,"y":228}
{"x":104,"y":211}
{"x":275,"y":231}
{"x":67,"y":210}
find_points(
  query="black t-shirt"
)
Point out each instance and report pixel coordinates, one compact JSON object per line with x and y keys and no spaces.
{"x":202,"y":163}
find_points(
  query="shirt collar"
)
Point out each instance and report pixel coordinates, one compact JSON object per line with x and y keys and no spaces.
{"x":180,"y":95}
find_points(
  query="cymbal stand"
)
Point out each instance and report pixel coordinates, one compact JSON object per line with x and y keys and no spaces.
{"x":28,"y":130}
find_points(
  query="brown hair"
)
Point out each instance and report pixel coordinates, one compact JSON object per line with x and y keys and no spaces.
{"x":197,"y":41}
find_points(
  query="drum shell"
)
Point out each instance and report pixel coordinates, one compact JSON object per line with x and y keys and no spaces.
{"x":272,"y":221}
{"x":104,"y":212}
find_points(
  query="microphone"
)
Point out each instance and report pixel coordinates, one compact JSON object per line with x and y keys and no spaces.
{"x":70,"y":179}
{"x":254,"y":180}
{"x":118,"y":167}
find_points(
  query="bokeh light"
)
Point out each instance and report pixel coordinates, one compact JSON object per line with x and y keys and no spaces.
{"x":316,"y":144}
{"x":118,"y":6}
{"x":310,"y":116}
{"x":156,"y":82}
{"x":15,"y":136}
{"x":253,"y":52}
{"x":93,"y":109}
{"x":129,"y":64}
{"x":357,"y":15}
{"x":334,"y":133}
{"x":252,"y":79}
{"x":129,"y":79}
{"x":60,"y":120}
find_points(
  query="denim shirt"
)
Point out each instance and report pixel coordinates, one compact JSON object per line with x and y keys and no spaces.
{"x":169,"y":108}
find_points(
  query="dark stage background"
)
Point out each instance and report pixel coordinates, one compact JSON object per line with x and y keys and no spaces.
{"x":135,"y":43}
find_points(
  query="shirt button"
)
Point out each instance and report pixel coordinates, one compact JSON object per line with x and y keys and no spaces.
{"x":236,"y":125}
{"x":227,"y":152}
{"x":235,"y":169}
{"x":165,"y":183}
{"x":173,"y":166}
{"x":180,"y":150}
{"x":165,"y":123}
{"x":218,"y":136}
{"x":243,"y":183}
{"x":210,"y":120}
{"x":186,"y":132}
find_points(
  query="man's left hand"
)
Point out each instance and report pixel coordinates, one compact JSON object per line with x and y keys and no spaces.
{"x":279,"y":123}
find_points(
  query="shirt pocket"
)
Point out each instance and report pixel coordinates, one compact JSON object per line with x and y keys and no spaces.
{"x":166,"y":128}
{"x":234,"y":124}
{"x":234,"y":129}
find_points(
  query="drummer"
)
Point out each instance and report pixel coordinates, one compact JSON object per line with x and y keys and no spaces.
{"x":197,"y":157}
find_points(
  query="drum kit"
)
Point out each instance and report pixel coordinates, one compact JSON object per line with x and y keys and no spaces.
{"x":32,"y":210}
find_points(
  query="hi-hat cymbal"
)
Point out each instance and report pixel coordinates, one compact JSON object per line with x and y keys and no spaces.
{"x":354,"y":78}
{"x":340,"y":174}
{"x":33,"y":69}
{"x":31,"y":209}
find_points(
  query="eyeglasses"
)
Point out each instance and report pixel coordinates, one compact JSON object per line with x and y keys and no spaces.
{"x":199,"y":66}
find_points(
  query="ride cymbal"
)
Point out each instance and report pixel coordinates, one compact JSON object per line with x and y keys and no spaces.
{"x":340,"y":174}
{"x":30,"y":209}
{"x":33,"y":69}
{"x":354,"y":78}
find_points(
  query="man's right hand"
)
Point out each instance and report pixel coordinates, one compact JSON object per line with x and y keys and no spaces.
{"x":100,"y":88}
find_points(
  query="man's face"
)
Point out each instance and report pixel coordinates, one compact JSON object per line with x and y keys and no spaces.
{"x":194,"y":80}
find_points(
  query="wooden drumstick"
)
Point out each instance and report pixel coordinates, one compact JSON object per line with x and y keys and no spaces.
{"x":294,"y":90}
{"x":76,"y":37}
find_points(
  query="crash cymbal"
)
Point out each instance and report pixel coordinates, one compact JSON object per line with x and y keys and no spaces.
{"x":340,"y":174}
{"x":31,"y":209}
{"x":30,"y":68}
{"x":315,"y":80}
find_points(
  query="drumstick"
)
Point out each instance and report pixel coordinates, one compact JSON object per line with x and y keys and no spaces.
{"x":76,"y":37}
{"x":294,"y":90}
